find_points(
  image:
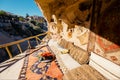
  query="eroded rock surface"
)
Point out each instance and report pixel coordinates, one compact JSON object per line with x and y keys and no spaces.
{"x":92,"y":25}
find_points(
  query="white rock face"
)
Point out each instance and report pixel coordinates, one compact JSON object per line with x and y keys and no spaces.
{"x":78,"y":35}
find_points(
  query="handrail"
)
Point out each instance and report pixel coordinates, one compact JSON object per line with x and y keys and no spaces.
{"x":20,"y":41}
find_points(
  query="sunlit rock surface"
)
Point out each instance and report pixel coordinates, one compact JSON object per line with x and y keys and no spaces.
{"x":91,"y":25}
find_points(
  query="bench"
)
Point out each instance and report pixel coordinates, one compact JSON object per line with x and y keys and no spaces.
{"x":98,"y":68}
{"x":69,"y":60}
{"x":75,"y":64}
{"x":107,"y":68}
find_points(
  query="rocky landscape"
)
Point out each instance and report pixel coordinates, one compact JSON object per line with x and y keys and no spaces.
{"x":83,"y":36}
{"x":14,"y":27}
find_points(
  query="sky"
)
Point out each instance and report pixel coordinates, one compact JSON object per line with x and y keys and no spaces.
{"x":20,"y":7}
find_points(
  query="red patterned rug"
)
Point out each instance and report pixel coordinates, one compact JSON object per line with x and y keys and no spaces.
{"x":34,"y":69}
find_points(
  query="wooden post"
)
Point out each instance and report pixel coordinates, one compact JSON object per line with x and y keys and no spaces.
{"x":18,"y":45}
{"x":8,"y":51}
{"x":37,"y":41}
{"x":29,"y":44}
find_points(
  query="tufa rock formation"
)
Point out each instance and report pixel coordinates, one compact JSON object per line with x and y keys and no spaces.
{"x":92,"y":25}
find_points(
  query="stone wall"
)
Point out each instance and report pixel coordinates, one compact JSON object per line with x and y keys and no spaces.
{"x":92,"y":25}
{"x":105,"y":28}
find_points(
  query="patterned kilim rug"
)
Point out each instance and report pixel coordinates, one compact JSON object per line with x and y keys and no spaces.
{"x":34,"y":69}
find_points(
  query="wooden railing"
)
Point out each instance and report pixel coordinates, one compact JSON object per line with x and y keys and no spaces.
{"x":20,"y":41}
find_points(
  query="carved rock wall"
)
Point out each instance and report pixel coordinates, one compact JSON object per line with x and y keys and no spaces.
{"x":92,"y":25}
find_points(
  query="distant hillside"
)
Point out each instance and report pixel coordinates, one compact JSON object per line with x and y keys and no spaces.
{"x":5,"y":38}
{"x":14,"y":27}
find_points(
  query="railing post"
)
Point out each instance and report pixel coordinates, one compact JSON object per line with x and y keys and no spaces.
{"x":8,"y":51}
{"x":37,"y":40}
{"x":18,"y":45}
{"x":29,"y":44}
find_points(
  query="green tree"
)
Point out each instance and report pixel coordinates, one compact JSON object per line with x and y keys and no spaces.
{"x":21,"y":19}
{"x":3,"y":13}
{"x":27,"y":15}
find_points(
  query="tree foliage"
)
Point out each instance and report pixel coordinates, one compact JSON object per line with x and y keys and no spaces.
{"x":3,"y":13}
{"x":27,"y":15}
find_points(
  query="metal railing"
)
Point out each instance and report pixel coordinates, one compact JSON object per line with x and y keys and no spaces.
{"x":20,"y":41}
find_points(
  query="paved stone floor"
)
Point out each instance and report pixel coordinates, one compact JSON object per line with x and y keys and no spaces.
{"x":12,"y":73}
